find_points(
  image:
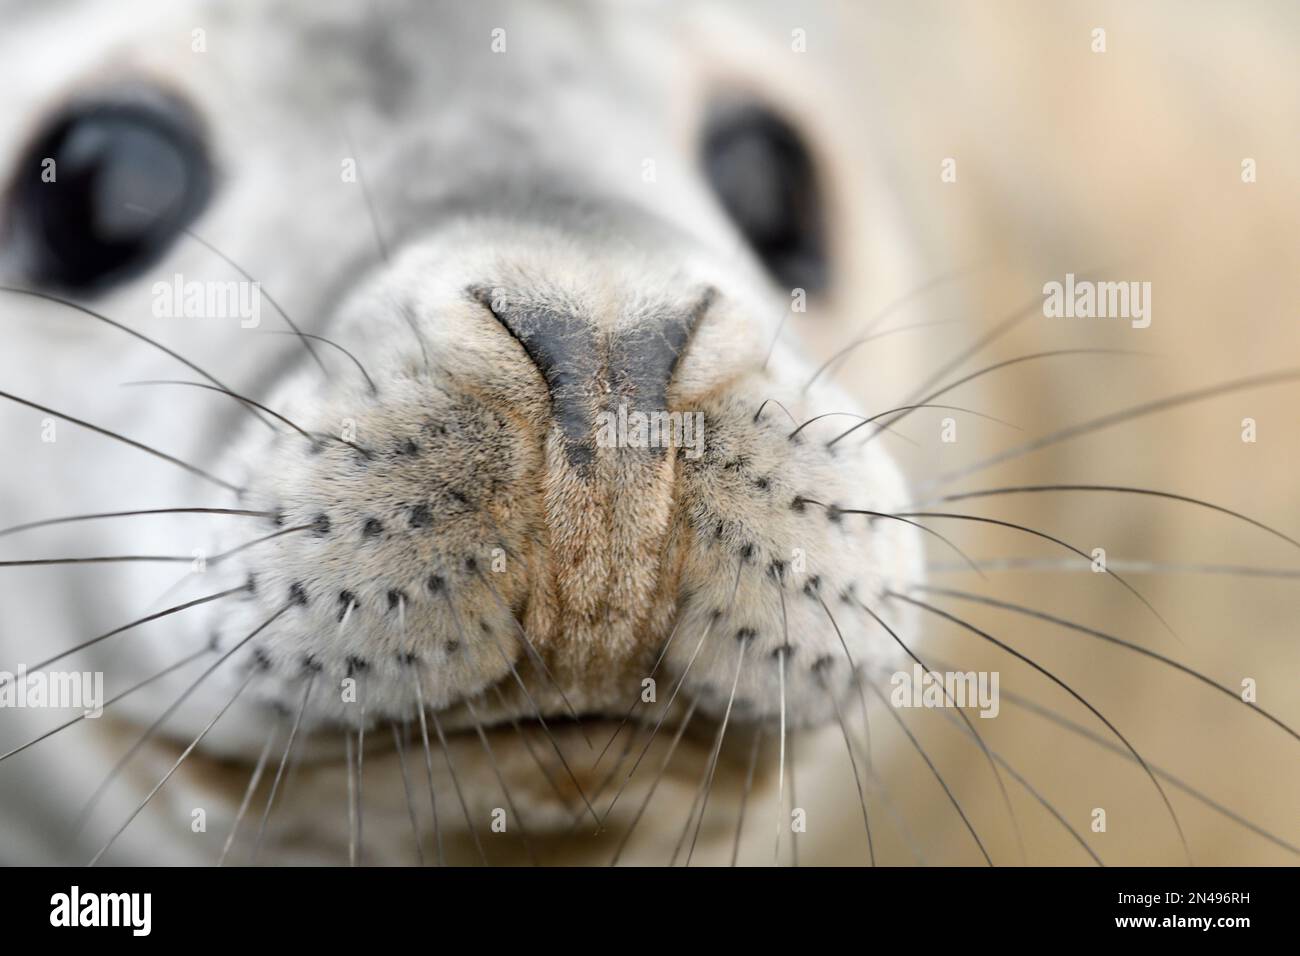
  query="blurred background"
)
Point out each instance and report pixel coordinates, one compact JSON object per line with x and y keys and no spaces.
{"x":1128,"y":163}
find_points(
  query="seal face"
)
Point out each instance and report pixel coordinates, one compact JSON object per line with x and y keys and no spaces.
{"x":498,"y":426}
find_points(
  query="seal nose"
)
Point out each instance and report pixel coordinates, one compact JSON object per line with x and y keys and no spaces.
{"x":591,"y":368}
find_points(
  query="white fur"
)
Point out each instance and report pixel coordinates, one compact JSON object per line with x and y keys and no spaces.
{"x":581,"y":99}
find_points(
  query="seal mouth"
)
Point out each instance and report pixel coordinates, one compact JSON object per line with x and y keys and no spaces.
{"x":547,"y":779}
{"x":577,"y":766}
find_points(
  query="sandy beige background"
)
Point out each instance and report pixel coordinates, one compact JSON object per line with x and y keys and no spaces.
{"x":1068,"y":161}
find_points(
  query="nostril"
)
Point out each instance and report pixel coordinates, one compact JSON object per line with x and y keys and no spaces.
{"x":635,"y":359}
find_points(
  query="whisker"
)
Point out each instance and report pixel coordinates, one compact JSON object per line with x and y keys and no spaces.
{"x":66,"y":303}
{"x":352,"y":798}
{"x":361,"y":450}
{"x":215,"y":559}
{"x":883,"y":314}
{"x":773,"y":401}
{"x":380,"y":244}
{"x":1115,"y":418}
{"x":890,"y":411}
{"x":654,"y":784}
{"x":501,"y":781}
{"x":1069,"y":690}
{"x":371,"y":213}
{"x":532,"y":752}
{"x":879,"y":790}
{"x":534,"y":654}
{"x":1043,"y":801}
{"x":749,"y":786}
{"x":261,"y":291}
{"x":129,"y":442}
{"x":406,"y":788}
{"x":1120,"y":564}
{"x":354,"y":812}
{"x":1027,"y":310}
{"x":935,"y":282}
{"x":1006,"y":798}
{"x":84,"y":815}
{"x":853,"y":765}
{"x":1057,"y":541}
{"x":780,"y":766}
{"x":176,"y":766}
{"x":361,"y":759}
{"x":816,"y":418}
{"x":160,"y":558}
{"x":605,"y":781}
{"x":258,"y":769}
{"x":136,"y":623}
{"x":708,"y":628}
{"x":1122,"y":489}
{"x":284,"y":759}
{"x":904,"y":518}
{"x":717,"y":750}
{"x":227,"y":392}
{"x":187,"y":659}
{"x":776,"y":337}
{"x":455,"y":782}
{"x":853,"y":666}
{"x":424,"y":734}
{"x":792,"y":763}
{"x":916,"y":744}
{"x":537,"y":710}
{"x":100,"y":559}
{"x":409,"y":318}
{"x":1174,"y":781}
{"x":48,"y":522}
{"x":1111,"y":639}
{"x":843,"y":352}
{"x":370,"y":382}
{"x":987,"y":370}
{"x":690,"y":816}
{"x":627,"y":715}
{"x":782,"y":654}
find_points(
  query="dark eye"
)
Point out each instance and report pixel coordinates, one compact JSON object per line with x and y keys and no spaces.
{"x":104,"y":190}
{"x":762,"y":173}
